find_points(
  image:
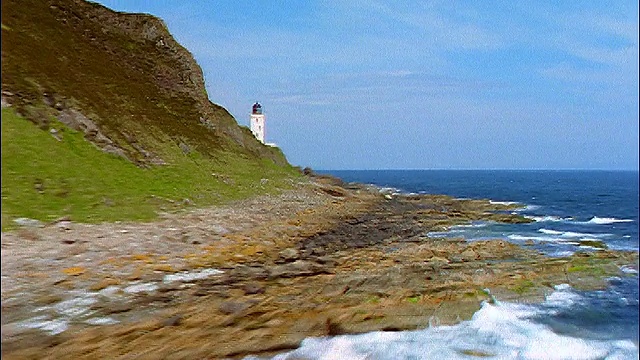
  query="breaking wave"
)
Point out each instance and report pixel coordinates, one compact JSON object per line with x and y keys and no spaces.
{"x":606,"y":220}
{"x":500,"y":330}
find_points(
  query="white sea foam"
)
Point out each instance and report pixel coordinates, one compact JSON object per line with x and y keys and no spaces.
{"x":628,"y":269}
{"x":389,"y":190}
{"x":587,"y":247}
{"x":530,"y":207}
{"x":506,"y":203}
{"x":556,"y":239}
{"x":468,"y":226}
{"x":606,"y":220}
{"x":571,"y":234}
{"x":546,"y":218}
{"x":564,"y":253}
{"x":550,"y":232}
{"x":498,"y":331}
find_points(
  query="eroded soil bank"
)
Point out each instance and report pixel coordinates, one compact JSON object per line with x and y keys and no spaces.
{"x":258,"y":276}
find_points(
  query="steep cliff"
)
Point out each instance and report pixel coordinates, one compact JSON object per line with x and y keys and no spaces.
{"x":121,"y":75}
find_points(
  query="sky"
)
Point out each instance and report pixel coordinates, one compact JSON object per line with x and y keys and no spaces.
{"x":368,"y":84}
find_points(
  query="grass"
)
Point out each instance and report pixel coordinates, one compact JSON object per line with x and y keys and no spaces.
{"x":587,"y":269}
{"x":413,"y":299}
{"x":523,"y":286}
{"x":592,"y":266}
{"x":45,"y":179}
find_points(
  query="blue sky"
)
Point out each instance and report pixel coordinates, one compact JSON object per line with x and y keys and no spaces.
{"x":366,"y":84}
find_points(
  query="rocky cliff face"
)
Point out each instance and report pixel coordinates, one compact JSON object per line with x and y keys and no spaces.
{"x":120,"y":78}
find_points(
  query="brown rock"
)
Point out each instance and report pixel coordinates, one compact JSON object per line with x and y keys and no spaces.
{"x":233,"y":307}
{"x":112,"y":307}
{"x":253,"y":288}
{"x":289,"y":255}
{"x":103,"y":284}
{"x":469,"y":255}
{"x":173,"y":321}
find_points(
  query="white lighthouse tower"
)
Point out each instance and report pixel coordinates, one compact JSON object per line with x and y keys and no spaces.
{"x":257,"y":122}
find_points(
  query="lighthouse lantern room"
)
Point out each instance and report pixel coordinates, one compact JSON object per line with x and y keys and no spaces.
{"x":257,"y":122}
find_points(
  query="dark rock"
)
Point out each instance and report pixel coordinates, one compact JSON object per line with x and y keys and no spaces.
{"x":334,"y":191}
{"x":325,"y":260}
{"x":243,"y":272}
{"x":252,"y":288}
{"x":113,"y":307}
{"x":173,"y":321}
{"x":334,"y":328}
{"x":298,"y":268}
{"x":172,"y":286}
{"x":148,"y":299}
{"x":201,"y":292}
{"x":233,"y":307}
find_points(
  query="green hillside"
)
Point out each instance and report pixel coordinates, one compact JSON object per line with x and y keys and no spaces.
{"x":109,"y":120}
{"x":45,"y":178}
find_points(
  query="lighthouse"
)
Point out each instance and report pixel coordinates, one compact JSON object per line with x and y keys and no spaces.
{"x":257,"y":122}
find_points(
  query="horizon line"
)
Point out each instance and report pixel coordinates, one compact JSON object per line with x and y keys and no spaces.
{"x":479,"y":169}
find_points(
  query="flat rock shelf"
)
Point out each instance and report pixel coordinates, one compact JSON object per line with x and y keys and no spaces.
{"x":258,"y":276}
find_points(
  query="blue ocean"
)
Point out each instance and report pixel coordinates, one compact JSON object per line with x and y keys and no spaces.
{"x":569,"y":209}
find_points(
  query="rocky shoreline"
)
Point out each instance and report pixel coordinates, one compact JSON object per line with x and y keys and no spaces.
{"x":258,"y":276}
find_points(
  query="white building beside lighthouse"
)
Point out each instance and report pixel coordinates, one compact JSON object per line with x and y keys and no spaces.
{"x":257,"y":122}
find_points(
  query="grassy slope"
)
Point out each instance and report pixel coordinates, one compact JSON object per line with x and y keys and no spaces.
{"x":44,"y":178}
{"x":100,"y":63}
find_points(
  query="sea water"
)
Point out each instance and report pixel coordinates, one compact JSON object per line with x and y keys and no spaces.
{"x":571,"y":210}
